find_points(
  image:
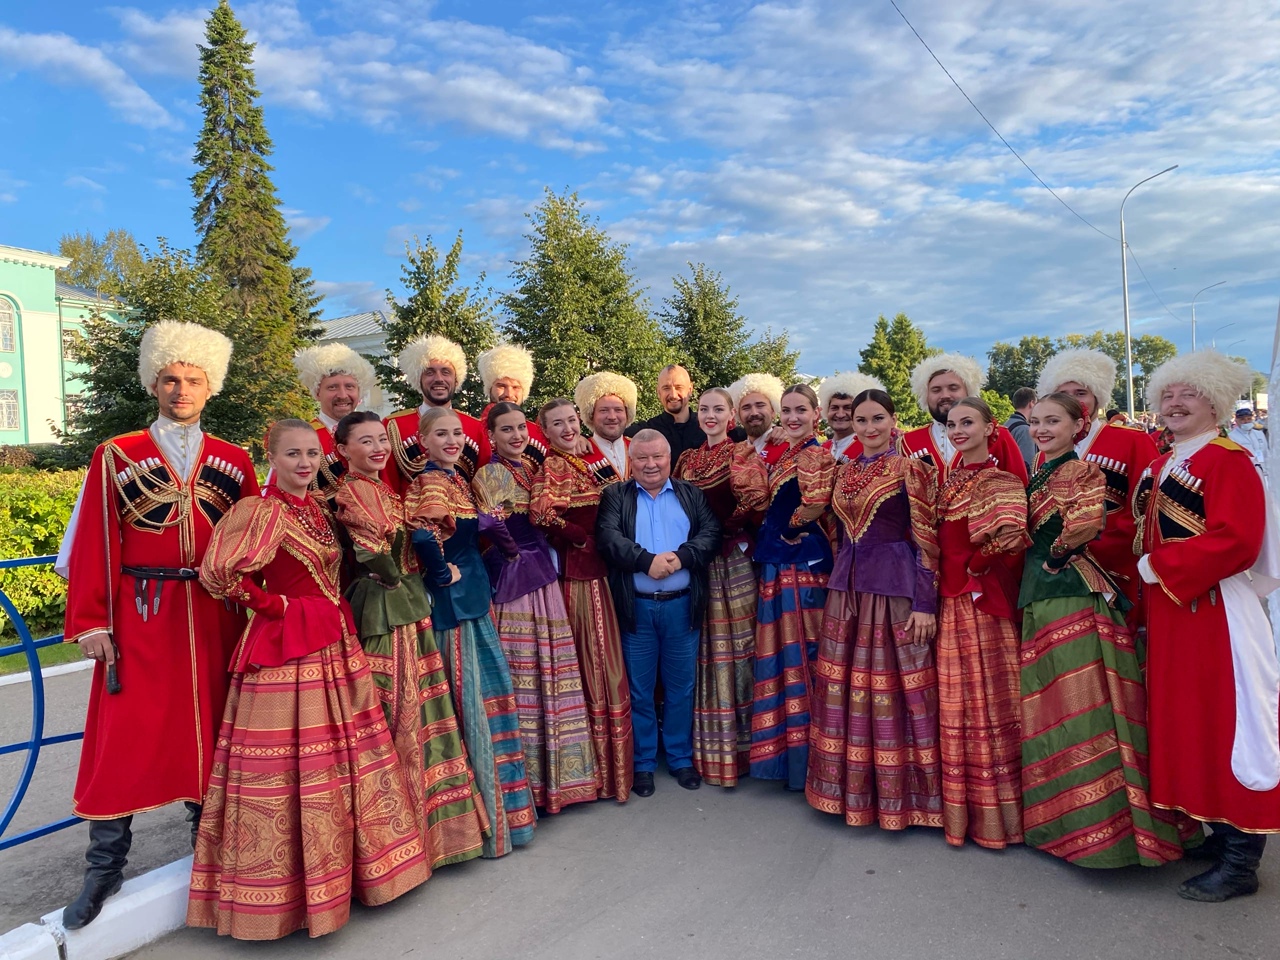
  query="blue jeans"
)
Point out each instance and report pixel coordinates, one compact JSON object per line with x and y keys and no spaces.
{"x":664,"y":639}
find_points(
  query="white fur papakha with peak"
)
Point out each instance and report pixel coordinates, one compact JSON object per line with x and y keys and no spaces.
{"x":848,"y":384}
{"x":1217,"y":378}
{"x":765,"y":383}
{"x":176,"y":341}
{"x":604,"y":384}
{"x":417,"y":354}
{"x":1092,"y":369}
{"x":330,"y":359}
{"x":503,"y":361}
{"x":969,"y":370}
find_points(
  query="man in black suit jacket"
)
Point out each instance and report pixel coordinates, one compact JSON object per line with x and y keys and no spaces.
{"x":658,"y":536}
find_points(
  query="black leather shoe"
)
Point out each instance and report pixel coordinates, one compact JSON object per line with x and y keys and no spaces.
{"x":84,"y":909}
{"x":643,"y":785}
{"x":193,"y":817}
{"x":687,"y":777}
{"x":1235,"y":875}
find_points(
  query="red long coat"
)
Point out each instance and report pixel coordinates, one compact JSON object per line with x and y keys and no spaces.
{"x":152,"y":743}
{"x":1203,"y":524}
{"x":408,"y":458}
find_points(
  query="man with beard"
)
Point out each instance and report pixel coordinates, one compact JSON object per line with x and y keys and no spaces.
{"x":1209,"y":553}
{"x":436,"y":366}
{"x":1123,"y":454}
{"x":835,"y":396}
{"x":607,"y":403}
{"x":341,"y":381}
{"x":939,"y":382}
{"x":757,"y":398}
{"x":676,"y":422}
{"x":507,"y":374}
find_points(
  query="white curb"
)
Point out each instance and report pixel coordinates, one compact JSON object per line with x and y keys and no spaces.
{"x":145,"y":909}
{"x":28,"y":942}
{"x":55,"y":671}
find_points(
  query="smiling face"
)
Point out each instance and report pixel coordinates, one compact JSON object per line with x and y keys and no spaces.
{"x":968,"y":432}
{"x":1053,"y":428}
{"x":443,"y":440}
{"x":1186,"y":412}
{"x":1083,"y":395}
{"x":507,"y":389}
{"x":338,"y":395}
{"x":755,"y":413}
{"x":650,"y":463}
{"x":367,"y":448}
{"x":438,"y":383}
{"x":840,"y":416}
{"x":609,"y":418}
{"x":944,"y":390}
{"x":182,"y":390}
{"x":562,"y":427}
{"x":295,"y":460}
{"x":799,"y":417}
{"x":873,"y":425}
{"x":510,"y":435}
{"x":674,"y":390}
{"x":714,"y":414}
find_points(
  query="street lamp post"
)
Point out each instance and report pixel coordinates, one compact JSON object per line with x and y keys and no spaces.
{"x":1124,"y":283}
{"x":1193,"y":309}
{"x":1218,"y":330}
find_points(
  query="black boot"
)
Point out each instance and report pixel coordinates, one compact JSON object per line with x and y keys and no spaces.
{"x":1210,"y":850}
{"x":108,"y":852}
{"x":193,"y":817}
{"x":1235,"y":875}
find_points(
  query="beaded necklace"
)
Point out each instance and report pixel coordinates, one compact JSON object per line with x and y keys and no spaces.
{"x":955,"y":489}
{"x":1046,"y":471}
{"x":308,"y":514}
{"x":863,"y":472}
{"x":707,"y":465}
{"x":520,"y":472}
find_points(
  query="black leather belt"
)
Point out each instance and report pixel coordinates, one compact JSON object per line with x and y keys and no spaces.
{"x":664,"y":595}
{"x":161,"y":573}
{"x":147,"y":602}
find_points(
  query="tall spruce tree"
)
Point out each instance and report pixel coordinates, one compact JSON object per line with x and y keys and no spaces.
{"x":576,"y":305}
{"x":895,"y":348}
{"x":244,"y":241}
{"x":437,"y":304}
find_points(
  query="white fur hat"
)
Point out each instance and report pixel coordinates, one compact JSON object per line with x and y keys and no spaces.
{"x":604,"y":384}
{"x":969,"y":370}
{"x":765,"y":383}
{"x":849,"y":384}
{"x":327,"y":359}
{"x":506,"y":360}
{"x":420,"y":352}
{"x":1089,"y":368}
{"x":176,"y":341}
{"x":1217,"y":378}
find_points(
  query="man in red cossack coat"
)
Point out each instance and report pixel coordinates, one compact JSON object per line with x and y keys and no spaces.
{"x":507,"y":374}
{"x":1210,"y":552}
{"x":757,"y":398}
{"x":1122,"y":453}
{"x":607,"y":404}
{"x":436,"y":367}
{"x":162,"y":644}
{"x":939,"y":382}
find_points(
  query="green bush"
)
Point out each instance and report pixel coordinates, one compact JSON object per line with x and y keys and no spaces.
{"x":34,"y":510}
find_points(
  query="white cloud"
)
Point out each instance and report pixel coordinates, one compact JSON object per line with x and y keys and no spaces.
{"x":302,"y":226}
{"x":343,"y":298}
{"x":78,"y":182}
{"x":63,"y":60}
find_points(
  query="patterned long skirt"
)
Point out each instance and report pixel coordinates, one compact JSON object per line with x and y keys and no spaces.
{"x":875,"y":723}
{"x":1084,"y":739}
{"x":980,"y":725}
{"x":486,"y":706}
{"x":604,"y":683}
{"x":306,"y":805}
{"x":788,"y":624}
{"x":408,"y":673}
{"x":725,"y":684}
{"x":558,"y":757}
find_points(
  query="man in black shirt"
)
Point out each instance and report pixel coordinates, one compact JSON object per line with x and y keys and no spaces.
{"x":677,"y":422}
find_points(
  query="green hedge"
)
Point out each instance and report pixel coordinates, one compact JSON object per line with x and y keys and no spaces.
{"x":34,"y":510}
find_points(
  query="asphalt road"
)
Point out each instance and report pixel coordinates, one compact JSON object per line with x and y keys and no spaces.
{"x":708,"y":874}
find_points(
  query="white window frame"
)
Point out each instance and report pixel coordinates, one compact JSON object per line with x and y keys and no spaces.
{"x":9,"y":405}
{"x":8,"y":326}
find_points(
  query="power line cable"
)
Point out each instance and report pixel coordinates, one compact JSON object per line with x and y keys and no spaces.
{"x":993,"y":127}
{"x":1137,"y":264}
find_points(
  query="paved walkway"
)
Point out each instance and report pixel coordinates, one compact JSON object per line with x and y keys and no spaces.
{"x":744,"y":874}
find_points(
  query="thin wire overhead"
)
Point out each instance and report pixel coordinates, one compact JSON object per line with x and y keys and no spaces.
{"x":1150,"y":287}
{"x":995,"y":131}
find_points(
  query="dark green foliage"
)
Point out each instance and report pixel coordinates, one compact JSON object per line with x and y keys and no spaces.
{"x":896,"y":347}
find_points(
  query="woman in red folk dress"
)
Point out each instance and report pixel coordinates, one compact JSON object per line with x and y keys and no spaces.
{"x":563,"y":504}
{"x":307,"y":805}
{"x":393,"y":616}
{"x":982,"y":533}
{"x":726,"y":652}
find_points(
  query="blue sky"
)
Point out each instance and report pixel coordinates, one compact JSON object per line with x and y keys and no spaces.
{"x":810,"y":151}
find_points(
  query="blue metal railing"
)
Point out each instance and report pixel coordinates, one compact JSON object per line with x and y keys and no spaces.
{"x":37,"y":740}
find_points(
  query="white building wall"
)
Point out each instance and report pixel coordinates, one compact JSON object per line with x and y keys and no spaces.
{"x":42,"y":364}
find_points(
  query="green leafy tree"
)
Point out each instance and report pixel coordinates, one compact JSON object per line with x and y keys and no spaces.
{"x":100,"y":265}
{"x":1001,"y":406}
{"x":1011,"y":366}
{"x":244,"y":240}
{"x":169,"y":285}
{"x":437,"y":304}
{"x":772,"y":353}
{"x":576,"y":306}
{"x":895,"y":348}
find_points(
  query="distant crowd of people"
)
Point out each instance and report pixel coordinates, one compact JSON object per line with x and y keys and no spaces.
{"x":427,"y":632}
